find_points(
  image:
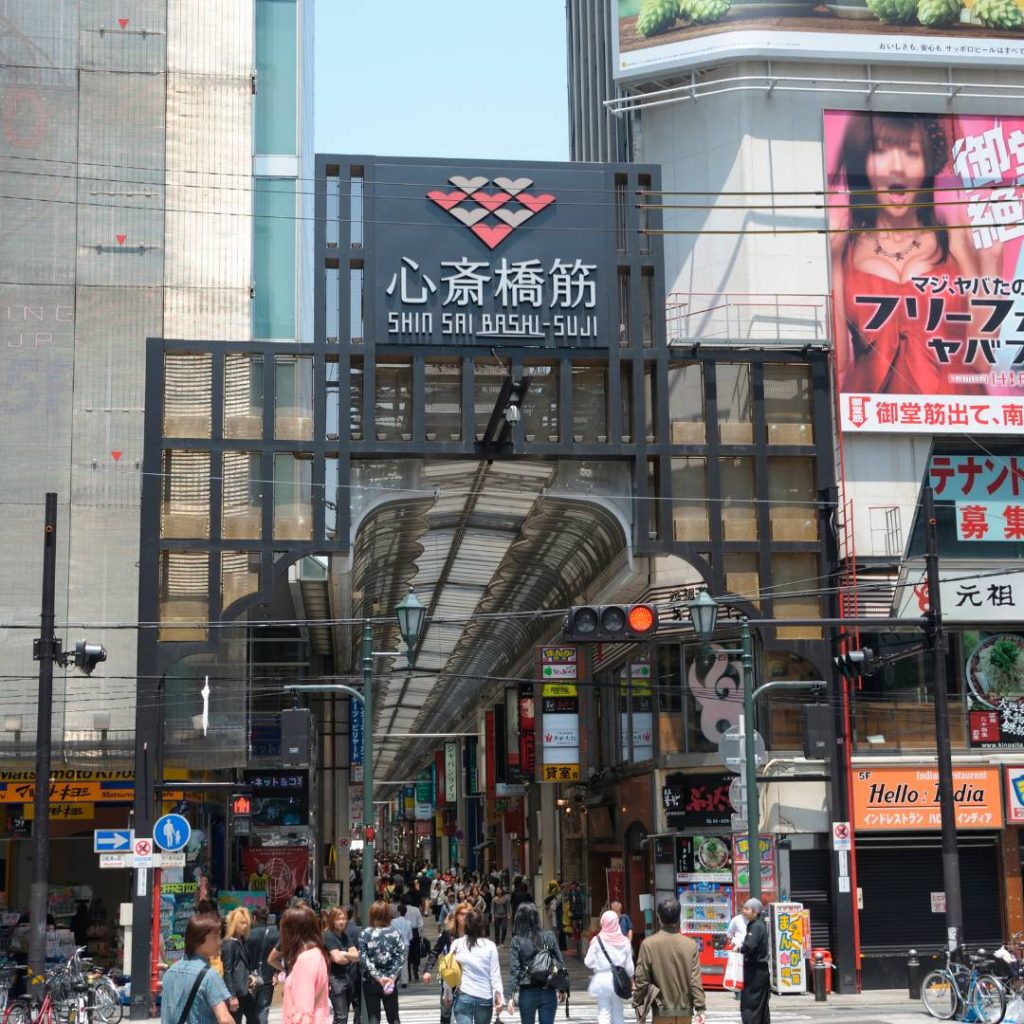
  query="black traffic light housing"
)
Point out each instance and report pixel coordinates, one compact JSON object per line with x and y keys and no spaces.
{"x":609,"y":623}
{"x":859,"y":662}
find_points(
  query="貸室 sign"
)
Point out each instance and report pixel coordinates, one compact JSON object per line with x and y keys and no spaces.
{"x":560,"y":720}
{"x":904,"y":798}
{"x":490,"y":254}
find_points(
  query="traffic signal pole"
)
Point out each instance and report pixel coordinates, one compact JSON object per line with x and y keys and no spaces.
{"x":750,"y":763}
{"x":944,"y":757}
{"x":47,"y":647}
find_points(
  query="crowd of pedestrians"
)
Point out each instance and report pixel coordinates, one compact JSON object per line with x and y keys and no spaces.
{"x":328,"y":966}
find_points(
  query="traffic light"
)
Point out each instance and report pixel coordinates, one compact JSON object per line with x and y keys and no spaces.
{"x":241,"y":803}
{"x":860,"y":662}
{"x":610,"y":622}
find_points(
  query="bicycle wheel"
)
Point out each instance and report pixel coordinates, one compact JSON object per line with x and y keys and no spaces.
{"x":940,"y":995}
{"x":989,"y":999}
{"x":18,"y":1012}
{"x":106,"y":1002}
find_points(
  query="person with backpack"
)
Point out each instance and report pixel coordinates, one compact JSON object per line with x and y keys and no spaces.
{"x":480,"y":994}
{"x":192,"y":992}
{"x":534,"y":959}
{"x":610,"y":957}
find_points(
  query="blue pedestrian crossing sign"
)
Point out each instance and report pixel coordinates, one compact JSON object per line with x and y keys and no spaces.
{"x":172,"y":833}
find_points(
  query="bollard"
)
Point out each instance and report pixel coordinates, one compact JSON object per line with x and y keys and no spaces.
{"x":913,"y":974}
{"x":820,"y":971}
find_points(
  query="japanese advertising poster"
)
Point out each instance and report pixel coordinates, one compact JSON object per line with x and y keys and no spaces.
{"x":994,"y":684}
{"x":653,"y":35}
{"x":925,"y":225}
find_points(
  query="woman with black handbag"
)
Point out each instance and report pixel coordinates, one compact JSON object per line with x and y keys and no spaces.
{"x":610,"y":957}
{"x":237,"y":970}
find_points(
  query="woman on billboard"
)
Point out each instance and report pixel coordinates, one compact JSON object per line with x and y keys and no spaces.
{"x":899,"y":329}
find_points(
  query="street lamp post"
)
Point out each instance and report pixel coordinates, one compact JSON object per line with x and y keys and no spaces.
{"x":704,"y":615}
{"x":410,"y":613}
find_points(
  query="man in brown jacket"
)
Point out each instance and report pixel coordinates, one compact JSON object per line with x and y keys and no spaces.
{"x":671,"y":962}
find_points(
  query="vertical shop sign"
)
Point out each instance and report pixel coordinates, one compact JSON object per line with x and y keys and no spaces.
{"x":472,"y":749}
{"x":527,"y":735}
{"x":636,"y":709}
{"x":424,"y":795}
{"x":439,"y":790}
{"x":355,"y":739}
{"x":560,"y":724}
{"x":788,"y":946}
{"x":409,"y":803}
{"x":451,"y":772}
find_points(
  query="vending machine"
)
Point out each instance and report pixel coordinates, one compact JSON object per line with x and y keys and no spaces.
{"x":704,"y":884}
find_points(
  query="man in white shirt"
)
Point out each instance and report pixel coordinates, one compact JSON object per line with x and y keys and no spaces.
{"x":734,"y":936}
{"x":401,"y":925}
{"x":415,"y":919}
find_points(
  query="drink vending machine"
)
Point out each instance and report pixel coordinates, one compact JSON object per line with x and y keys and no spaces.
{"x":704,"y":884}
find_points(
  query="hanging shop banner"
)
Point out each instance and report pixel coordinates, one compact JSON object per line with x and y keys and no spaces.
{"x":696,"y":801}
{"x":355,"y":740}
{"x":927,"y":273}
{"x":424,"y":795}
{"x":741,"y":867}
{"x":285,"y":867}
{"x":636,"y":710}
{"x":439,"y":783}
{"x":1014,"y":795}
{"x":451,"y":772}
{"x":408,"y":807}
{"x":994,"y":677}
{"x":476,"y":252}
{"x":903,"y":797}
{"x":527,"y":736}
{"x":355,"y":807}
{"x":652,"y":37}
{"x":560,"y":721}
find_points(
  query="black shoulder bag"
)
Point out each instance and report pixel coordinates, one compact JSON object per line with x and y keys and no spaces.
{"x":621,"y":981}
{"x":192,"y":995}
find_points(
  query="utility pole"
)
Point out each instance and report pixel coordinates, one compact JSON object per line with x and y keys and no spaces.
{"x":750,"y":762}
{"x":947,"y":807}
{"x":368,"y":845}
{"x":46,"y":649}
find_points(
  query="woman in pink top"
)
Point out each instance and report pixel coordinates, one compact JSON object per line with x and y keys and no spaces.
{"x":306,"y":997}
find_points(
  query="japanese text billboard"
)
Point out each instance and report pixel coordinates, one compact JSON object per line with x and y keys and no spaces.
{"x":987,"y":491}
{"x":925,"y":218}
{"x":894,"y":798}
{"x":491,"y":254}
{"x":652,"y":36}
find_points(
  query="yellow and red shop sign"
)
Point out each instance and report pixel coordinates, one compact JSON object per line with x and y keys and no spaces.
{"x":70,"y":786}
{"x":64,"y":812}
{"x":906,"y":798}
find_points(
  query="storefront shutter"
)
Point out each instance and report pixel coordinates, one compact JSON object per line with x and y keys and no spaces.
{"x":809,"y":876}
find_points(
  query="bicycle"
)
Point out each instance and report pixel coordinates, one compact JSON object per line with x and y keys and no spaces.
{"x":962,"y":989}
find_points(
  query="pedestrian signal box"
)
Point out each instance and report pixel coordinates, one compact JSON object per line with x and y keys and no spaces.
{"x":241,"y":803}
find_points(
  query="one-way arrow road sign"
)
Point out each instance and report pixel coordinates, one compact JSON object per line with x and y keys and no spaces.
{"x":112,"y":840}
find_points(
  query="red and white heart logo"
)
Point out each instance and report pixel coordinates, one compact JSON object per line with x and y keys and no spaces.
{"x":509,"y":204}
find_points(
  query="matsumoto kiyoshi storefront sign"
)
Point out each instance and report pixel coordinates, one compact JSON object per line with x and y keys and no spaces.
{"x":474,"y":253}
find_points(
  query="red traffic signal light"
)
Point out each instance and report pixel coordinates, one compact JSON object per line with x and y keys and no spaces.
{"x":370,"y":833}
{"x":611,"y":622}
{"x":241,"y":804}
